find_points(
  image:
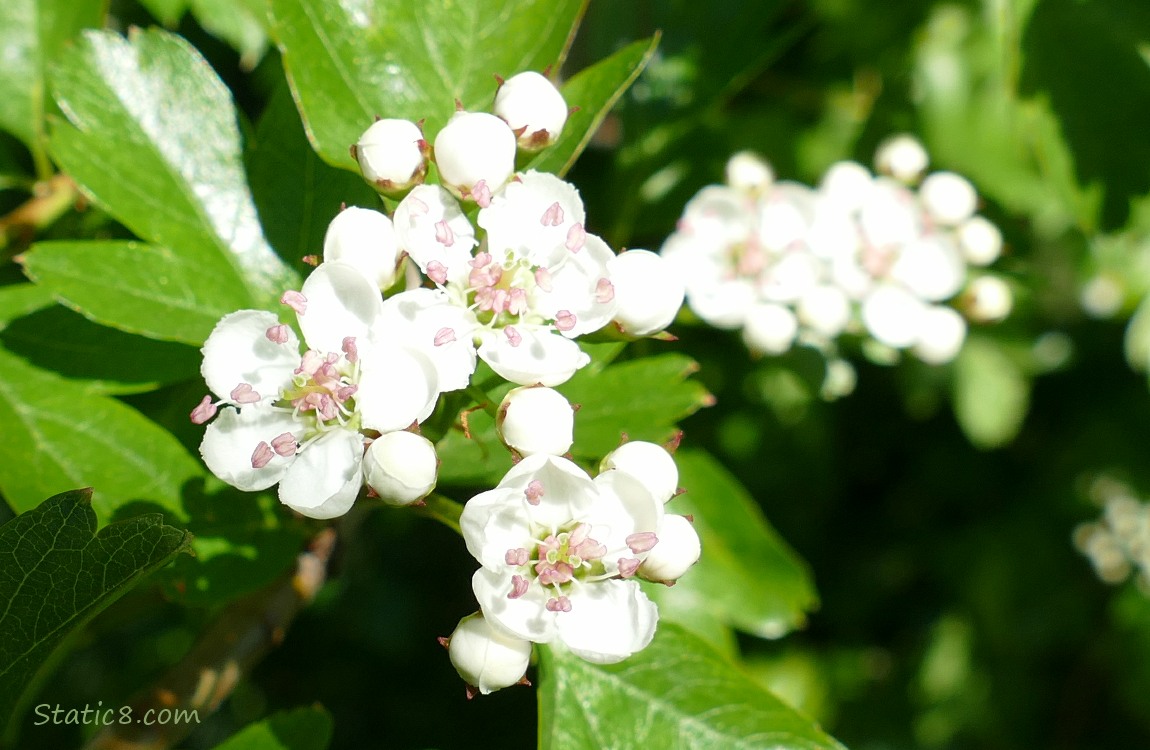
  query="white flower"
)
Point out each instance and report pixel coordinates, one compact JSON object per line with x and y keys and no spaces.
{"x":941,"y":334}
{"x":533,"y":108}
{"x":485,"y":658}
{"x":536,"y":419}
{"x":749,"y":172}
{"x":648,"y":292}
{"x":298,"y":419}
{"x":902,"y":157}
{"x":559,"y":552}
{"x":401,"y":467}
{"x":475,"y":153}
{"x":392,"y":155}
{"x":365,"y":239}
{"x":538,"y":281}
{"x":948,"y":198}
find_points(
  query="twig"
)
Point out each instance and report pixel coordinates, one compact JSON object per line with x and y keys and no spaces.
{"x":50,"y":200}
{"x":245,"y":631}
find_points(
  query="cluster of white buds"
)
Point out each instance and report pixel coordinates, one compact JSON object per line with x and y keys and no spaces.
{"x":860,"y":253}
{"x":1118,"y":543}
{"x":561,"y":553}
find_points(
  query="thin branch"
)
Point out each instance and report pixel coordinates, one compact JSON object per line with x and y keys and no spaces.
{"x":50,"y":200}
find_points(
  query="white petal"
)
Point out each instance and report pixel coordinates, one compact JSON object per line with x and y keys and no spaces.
{"x":626,"y":506}
{"x":609,"y":621}
{"x":770,"y":328}
{"x":651,"y":464}
{"x":790,"y":277}
{"x":648,"y":292}
{"x":419,"y":318}
{"x":515,"y":219}
{"x":450,"y":243}
{"x":723,"y":305}
{"x":931,"y":267}
{"x":239,"y":351}
{"x":678,"y":549}
{"x":893,"y":315}
{"x":844,"y":187}
{"x":341,"y":302}
{"x":231,"y":439}
{"x":825,"y":309}
{"x":485,"y":657}
{"x":526,"y":617}
{"x":493,"y":522}
{"x":540,"y":357}
{"x":397,"y":386}
{"x":574,"y":286}
{"x":326,"y":477}
{"x":785,"y":215}
{"x":942,"y":333}
{"x":890,"y":215}
{"x":948,"y":197}
{"x":365,"y":239}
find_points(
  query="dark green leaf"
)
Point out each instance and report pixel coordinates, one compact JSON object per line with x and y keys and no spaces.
{"x":594,"y":91}
{"x":348,"y":62}
{"x":297,"y":193}
{"x":58,"y":435}
{"x":299,"y":729}
{"x":747,"y":574}
{"x":56,"y":573}
{"x":32,"y":33}
{"x":676,"y":693}
{"x":644,"y":398}
{"x":135,"y":287}
{"x":152,"y":137}
{"x":991,"y":393}
{"x":167,"y":12}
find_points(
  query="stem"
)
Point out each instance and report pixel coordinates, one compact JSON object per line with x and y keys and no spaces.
{"x":51,"y":199}
{"x":482,"y":399}
{"x":442,"y":509}
{"x":243,"y":633}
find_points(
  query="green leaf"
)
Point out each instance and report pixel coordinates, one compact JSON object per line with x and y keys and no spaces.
{"x":300,"y":729}
{"x":297,"y":194}
{"x":241,"y":23}
{"x":676,"y":693}
{"x":594,"y":90}
{"x":56,"y":573}
{"x":167,"y":12}
{"x":991,"y":393}
{"x":690,"y":608}
{"x":644,"y":398}
{"x":33,"y":32}
{"x":59,"y":435}
{"x":747,"y":575}
{"x":152,"y":137}
{"x":348,"y":62}
{"x":135,"y":287}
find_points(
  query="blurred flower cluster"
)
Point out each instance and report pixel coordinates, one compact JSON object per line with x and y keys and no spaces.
{"x":1118,"y":543}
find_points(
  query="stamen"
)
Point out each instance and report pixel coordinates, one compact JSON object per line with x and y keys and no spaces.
{"x":204,"y":411}
{"x":641,"y":542}
{"x":516,"y":301}
{"x":481,"y":193}
{"x":604,"y":291}
{"x":553,"y":216}
{"x":437,"y":272}
{"x":513,"y":336}
{"x":443,"y":233}
{"x":517,"y":556}
{"x":565,"y":320}
{"x":444,"y":336}
{"x":285,"y":445}
{"x":310,"y":363}
{"x":519,"y":586}
{"x":628,"y":566}
{"x":295,"y":301}
{"x":277,"y":334}
{"x":543,"y":279}
{"x":349,"y":349}
{"x":559,"y":604}
{"x":576,"y":238}
{"x":344,"y":393}
{"x":261,"y":455}
{"x":534,"y":491}
{"x":418,"y":207}
{"x":244,"y":394}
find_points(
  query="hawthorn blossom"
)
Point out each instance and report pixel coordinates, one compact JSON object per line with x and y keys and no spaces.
{"x":303,"y":420}
{"x":536,"y":281}
{"x":559,"y":552}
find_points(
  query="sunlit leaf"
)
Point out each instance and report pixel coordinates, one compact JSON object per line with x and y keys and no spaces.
{"x":991,"y":393}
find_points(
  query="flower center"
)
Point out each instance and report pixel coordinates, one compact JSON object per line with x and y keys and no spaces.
{"x":555,"y":561}
{"x":323,"y":388}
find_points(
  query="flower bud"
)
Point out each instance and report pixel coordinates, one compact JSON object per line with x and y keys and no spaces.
{"x":845,"y":185}
{"x":484,"y":657}
{"x":401,"y":467}
{"x":748,"y":171}
{"x":536,"y":419}
{"x":825,"y":309}
{"x":392,"y":155}
{"x":366,"y":240}
{"x":651,"y":464}
{"x":648,"y":291}
{"x":902,"y":157}
{"x":940,"y":336}
{"x":677,"y":550}
{"x":980,"y":240}
{"x":988,"y":299}
{"x":770,"y":328}
{"x":474,"y":147}
{"x":533,"y":108}
{"x":893,"y":315}
{"x":949,"y":198}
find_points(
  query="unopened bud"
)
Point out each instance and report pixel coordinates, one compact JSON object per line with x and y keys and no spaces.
{"x":980,"y":240}
{"x":988,"y":299}
{"x":845,"y":185}
{"x":651,"y":464}
{"x":536,"y":419}
{"x":902,"y":157}
{"x":678,"y":549}
{"x":892,"y":315}
{"x":365,"y":239}
{"x":949,"y":198}
{"x":392,"y":155}
{"x":474,"y":147}
{"x":401,"y":467}
{"x":748,"y":171}
{"x":648,"y":291}
{"x":940,"y":335}
{"x":825,"y":309}
{"x":486,"y":658}
{"x":532,"y":106}
{"x":770,"y":328}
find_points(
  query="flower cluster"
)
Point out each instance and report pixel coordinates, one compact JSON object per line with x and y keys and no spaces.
{"x":560,"y":552}
{"x":887,"y":256}
{"x":1119,"y":542}
{"x":503,"y":270}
